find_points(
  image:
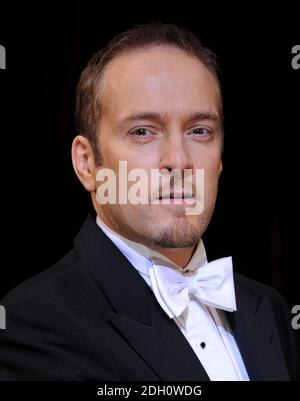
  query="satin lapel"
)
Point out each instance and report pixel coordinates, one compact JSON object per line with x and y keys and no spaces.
{"x":136,"y":313}
{"x":255,"y":332}
{"x":161,"y":345}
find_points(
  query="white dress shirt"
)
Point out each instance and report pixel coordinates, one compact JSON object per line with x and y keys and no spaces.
{"x":205,"y":328}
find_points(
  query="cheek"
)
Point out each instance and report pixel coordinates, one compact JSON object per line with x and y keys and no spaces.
{"x":211,"y":176}
{"x":135,"y":157}
{"x":211,"y":164}
{"x":211,"y":179}
{"x":139,"y":159}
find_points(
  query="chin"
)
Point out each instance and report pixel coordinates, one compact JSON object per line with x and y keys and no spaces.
{"x":175,"y":234}
{"x":169,"y":239}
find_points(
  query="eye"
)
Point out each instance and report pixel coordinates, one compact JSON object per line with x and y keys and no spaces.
{"x":201,"y":131}
{"x":140,"y":132}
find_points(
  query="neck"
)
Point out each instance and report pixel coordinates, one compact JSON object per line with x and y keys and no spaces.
{"x":180,"y":256}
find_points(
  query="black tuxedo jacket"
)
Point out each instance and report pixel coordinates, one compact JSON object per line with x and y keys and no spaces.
{"x":93,"y":317}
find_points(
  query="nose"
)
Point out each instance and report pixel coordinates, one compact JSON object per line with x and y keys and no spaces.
{"x":175,"y":155}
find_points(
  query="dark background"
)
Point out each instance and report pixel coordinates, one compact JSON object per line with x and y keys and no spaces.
{"x":256,"y":218}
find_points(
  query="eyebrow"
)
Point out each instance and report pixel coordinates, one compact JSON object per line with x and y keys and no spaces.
{"x":162,"y":117}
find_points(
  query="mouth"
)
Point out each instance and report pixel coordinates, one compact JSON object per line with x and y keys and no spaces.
{"x":176,"y":199}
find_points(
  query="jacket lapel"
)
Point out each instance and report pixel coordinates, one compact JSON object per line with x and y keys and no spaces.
{"x":257,"y":337}
{"x":161,"y":345}
{"x":135,"y":312}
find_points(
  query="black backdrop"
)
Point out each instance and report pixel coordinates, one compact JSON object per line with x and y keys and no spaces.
{"x":47,"y":45}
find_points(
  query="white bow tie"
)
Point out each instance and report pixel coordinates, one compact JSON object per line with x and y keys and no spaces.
{"x":211,"y":283}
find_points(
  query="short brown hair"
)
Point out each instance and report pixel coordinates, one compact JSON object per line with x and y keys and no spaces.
{"x":88,"y":105}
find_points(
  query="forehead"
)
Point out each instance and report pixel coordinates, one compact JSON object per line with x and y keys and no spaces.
{"x":160,"y":78}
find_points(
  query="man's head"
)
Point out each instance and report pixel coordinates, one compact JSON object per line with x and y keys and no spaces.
{"x":151,"y":97}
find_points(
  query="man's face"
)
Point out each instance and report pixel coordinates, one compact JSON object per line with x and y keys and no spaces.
{"x":166,"y":88}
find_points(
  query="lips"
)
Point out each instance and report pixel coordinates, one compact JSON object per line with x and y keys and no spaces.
{"x":177,"y":196}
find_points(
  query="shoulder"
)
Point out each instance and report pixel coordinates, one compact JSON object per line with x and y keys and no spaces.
{"x":54,"y":326}
{"x":63,"y":278}
{"x":266,"y":300}
{"x":260,"y":290}
{"x":64,"y":294}
{"x":279,"y":312}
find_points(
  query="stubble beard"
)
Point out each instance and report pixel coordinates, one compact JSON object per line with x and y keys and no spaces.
{"x":179,"y":234}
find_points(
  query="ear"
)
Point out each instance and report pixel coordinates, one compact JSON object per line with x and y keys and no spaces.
{"x":220,"y":169}
{"x":84,"y":162}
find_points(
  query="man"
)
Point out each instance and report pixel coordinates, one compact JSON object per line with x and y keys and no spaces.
{"x":136,"y":299}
